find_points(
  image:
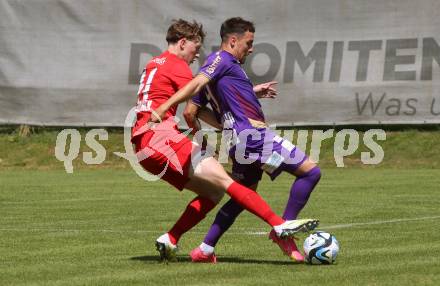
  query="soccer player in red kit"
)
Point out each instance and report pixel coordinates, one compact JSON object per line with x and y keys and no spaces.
{"x":164,"y":151}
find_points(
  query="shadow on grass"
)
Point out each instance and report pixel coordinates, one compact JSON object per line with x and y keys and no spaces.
{"x":220,"y":259}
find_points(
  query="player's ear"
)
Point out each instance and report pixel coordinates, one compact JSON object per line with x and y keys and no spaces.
{"x":232,"y":41}
{"x":182,"y":43}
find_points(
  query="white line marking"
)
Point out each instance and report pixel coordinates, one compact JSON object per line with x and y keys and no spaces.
{"x":349,"y":225}
{"x":245,"y":232}
{"x":338,"y":226}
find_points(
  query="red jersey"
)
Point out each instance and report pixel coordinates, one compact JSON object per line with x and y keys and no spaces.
{"x":163,"y":76}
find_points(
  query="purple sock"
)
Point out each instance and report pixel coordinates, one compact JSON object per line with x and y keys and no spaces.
{"x":223,"y":220}
{"x":300,"y":193}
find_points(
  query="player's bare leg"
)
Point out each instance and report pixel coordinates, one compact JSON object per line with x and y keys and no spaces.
{"x":220,"y":181}
{"x":210,"y":181}
{"x":285,"y":230}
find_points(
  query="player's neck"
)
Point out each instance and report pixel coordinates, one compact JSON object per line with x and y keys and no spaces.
{"x":174,"y":49}
{"x":226,"y":48}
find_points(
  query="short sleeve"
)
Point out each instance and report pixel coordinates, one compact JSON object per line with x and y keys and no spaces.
{"x":215,"y":67}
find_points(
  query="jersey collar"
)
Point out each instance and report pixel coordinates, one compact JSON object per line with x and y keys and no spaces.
{"x":231,"y":56}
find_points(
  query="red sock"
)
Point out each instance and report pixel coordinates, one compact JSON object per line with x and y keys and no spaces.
{"x":253,"y":202}
{"x":193,"y":214}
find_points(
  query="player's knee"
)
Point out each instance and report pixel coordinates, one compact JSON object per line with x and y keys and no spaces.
{"x":307,"y":165}
{"x":221,"y":184}
{"x":314,"y":174}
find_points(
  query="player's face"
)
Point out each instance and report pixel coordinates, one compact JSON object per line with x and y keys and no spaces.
{"x":244,"y":46}
{"x":191,"y":49}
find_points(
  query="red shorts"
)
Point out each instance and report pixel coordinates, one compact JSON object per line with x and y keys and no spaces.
{"x":168,"y":154}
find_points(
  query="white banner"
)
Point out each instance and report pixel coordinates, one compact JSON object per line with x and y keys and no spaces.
{"x":336,"y":61}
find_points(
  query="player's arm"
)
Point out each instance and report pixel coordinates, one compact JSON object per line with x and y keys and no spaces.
{"x":193,"y":112}
{"x":189,"y":90}
{"x":190,"y":115}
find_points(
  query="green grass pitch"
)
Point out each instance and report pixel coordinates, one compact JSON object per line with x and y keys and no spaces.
{"x":97,"y":227}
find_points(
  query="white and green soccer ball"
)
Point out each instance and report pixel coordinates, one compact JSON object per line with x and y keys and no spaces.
{"x":321,"y":248}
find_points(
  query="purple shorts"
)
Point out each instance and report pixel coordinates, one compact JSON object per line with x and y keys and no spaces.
{"x":269,"y":153}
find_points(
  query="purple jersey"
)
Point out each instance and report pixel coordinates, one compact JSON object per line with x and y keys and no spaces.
{"x":234,"y":103}
{"x":229,"y":91}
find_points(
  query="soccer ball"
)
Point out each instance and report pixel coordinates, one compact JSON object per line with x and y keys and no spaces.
{"x":321,"y":248}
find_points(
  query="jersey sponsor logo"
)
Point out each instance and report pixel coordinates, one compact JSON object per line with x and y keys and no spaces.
{"x":159,"y":61}
{"x":211,"y":69}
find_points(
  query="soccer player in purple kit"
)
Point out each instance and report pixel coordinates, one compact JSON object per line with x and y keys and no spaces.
{"x":234,"y":101}
{"x":236,"y":105}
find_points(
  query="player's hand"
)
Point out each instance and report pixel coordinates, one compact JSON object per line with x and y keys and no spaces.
{"x":266,"y":90}
{"x":158,"y":114}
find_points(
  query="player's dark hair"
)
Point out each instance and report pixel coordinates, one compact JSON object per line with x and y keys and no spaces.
{"x":180,"y":29}
{"x":236,"y":25}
